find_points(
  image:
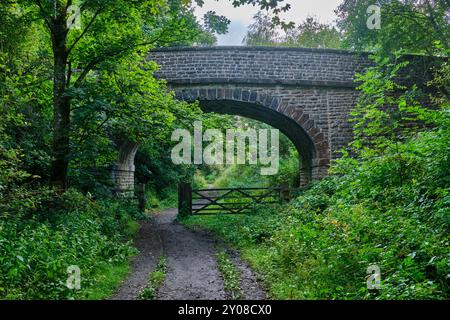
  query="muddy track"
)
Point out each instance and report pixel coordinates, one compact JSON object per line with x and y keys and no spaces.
{"x":149,"y":245}
{"x":192,"y":272}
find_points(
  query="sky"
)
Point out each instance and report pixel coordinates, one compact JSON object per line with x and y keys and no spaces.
{"x":241,"y":17}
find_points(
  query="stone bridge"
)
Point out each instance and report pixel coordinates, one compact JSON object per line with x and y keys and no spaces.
{"x":305,"y":93}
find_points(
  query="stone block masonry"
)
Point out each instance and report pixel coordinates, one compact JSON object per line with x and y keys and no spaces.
{"x":309,"y":92}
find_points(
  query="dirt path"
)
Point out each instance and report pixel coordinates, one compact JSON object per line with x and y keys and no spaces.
{"x":191,"y":265}
{"x":251,"y":288}
{"x":149,"y":245}
{"x":192,"y":272}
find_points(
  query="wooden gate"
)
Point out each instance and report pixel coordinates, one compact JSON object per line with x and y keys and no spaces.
{"x":226,"y":200}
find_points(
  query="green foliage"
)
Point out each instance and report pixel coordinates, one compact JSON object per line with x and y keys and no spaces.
{"x":238,"y":175}
{"x":388,"y":206}
{"x":233,"y":176}
{"x":106,"y":280}
{"x":199,"y":181}
{"x":307,"y":34}
{"x":261,"y":32}
{"x":406,"y":26}
{"x":164,"y":199}
{"x":215,"y":23}
{"x":320,"y":245}
{"x":313,"y":34}
{"x":43,"y":235}
{"x":230,"y":275}
{"x":155,"y":280}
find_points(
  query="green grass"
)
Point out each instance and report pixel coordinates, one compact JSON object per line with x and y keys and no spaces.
{"x":107,"y":279}
{"x":109,"y":276}
{"x":230,"y":275}
{"x":131,"y":228}
{"x":156,"y":279}
{"x":156,"y":203}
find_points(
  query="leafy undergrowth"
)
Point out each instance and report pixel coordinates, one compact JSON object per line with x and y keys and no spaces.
{"x":230,"y":275}
{"x":320,"y":245}
{"x":155,"y":280}
{"x":42,"y":233}
{"x":107,"y":279}
{"x":157,"y":202}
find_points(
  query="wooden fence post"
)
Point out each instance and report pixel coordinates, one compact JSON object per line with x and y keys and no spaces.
{"x":284,"y":193}
{"x":140,"y":194}
{"x":184,"y":199}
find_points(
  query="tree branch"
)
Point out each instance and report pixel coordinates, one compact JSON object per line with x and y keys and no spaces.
{"x":98,"y":60}
{"x":86,"y":132}
{"x":84,"y":31}
{"x":69,"y":73}
{"x":114,"y":53}
{"x":45,"y":16}
{"x":85,"y":72}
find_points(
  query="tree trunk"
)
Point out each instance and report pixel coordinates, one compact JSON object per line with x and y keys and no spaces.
{"x":61,"y":106}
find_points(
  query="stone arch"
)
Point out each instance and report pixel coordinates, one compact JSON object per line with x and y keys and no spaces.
{"x":296,"y":124}
{"x":123,"y":171}
{"x":292,"y":121}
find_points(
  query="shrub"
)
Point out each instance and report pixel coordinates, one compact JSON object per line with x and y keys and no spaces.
{"x":372,"y":211}
{"x":54,"y":232}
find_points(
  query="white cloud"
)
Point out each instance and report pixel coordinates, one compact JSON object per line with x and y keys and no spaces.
{"x":242,"y":16}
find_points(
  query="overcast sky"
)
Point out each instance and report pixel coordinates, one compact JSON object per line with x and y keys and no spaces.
{"x":241,"y":17}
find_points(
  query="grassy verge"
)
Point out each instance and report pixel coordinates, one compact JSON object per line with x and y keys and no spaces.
{"x":107,"y":279}
{"x":230,"y":275}
{"x":156,"y":279}
{"x":38,"y":246}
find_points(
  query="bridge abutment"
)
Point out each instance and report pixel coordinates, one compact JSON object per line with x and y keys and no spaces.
{"x":123,"y":171}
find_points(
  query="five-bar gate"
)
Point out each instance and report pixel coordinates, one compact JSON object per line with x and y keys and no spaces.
{"x":226,"y":200}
